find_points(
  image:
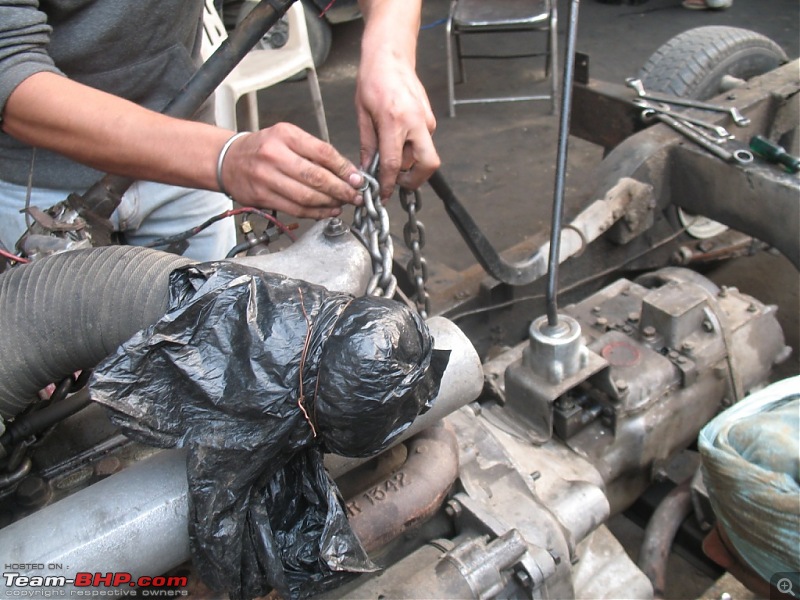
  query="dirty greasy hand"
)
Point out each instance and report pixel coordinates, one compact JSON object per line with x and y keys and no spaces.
{"x":287,"y":169}
{"x":395,"y":119}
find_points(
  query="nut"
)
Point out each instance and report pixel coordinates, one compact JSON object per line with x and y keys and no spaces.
{"x":334,"y":228}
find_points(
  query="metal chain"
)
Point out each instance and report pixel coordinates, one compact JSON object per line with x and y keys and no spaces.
{"x":414,"y":238}
{"x":371,"y":221}
{"x":371,"y":224}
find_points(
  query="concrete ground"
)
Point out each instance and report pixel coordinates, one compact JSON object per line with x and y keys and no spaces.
{"x":500,"y":159}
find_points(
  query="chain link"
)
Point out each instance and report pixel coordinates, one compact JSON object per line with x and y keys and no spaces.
{"x":414,"y":238}
{"x":371,"y":223}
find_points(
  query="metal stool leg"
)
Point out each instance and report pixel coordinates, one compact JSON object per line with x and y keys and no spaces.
{"x":451,"y":88}
{"x":553,"y":57}
{"x":319,"y":107}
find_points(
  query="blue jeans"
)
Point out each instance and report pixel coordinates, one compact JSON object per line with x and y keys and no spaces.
{"x":148,"y":211}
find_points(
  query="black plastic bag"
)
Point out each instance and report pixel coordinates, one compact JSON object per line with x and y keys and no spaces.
{"x":257,"y":374}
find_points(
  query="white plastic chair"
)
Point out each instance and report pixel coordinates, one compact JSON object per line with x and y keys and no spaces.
{"x":262,"y":68}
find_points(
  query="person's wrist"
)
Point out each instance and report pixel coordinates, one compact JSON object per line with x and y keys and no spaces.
{"x":221,"y":159}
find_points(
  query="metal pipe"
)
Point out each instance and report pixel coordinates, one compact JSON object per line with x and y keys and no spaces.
{"x":410,"y":495}
{"x":133,"y":521}
{"x":660,"y":532}
{"x":520,"y":273}
{"x":137,"y":520}
{"x":551,"y":292}
{"x":461,"y":384}
{"x":587,"y":226}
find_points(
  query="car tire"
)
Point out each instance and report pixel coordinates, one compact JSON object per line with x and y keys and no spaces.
{"x":320,"y":36}
{"x":695,"y":63}
{"x":702,"y":63}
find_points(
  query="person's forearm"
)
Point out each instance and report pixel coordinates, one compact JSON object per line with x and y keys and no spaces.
{"x":391,"y":26}
{"x":111,"y":134}
{"x":394,"y":113}
{"x":281,"y":167}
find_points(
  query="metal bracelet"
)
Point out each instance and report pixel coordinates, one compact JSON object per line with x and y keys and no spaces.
{"x":221,"y":159}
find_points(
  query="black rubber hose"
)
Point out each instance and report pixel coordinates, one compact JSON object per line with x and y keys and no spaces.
{"x":27,"y":425}
{"x":67,"y":312}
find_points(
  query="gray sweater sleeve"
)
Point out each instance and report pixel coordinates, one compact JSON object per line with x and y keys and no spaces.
{"x":24,"y":35}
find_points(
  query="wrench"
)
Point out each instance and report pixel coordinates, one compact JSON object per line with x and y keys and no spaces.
{"x":704,"y":132}
{"x":649,"y":115}
{"x":721,"y":133}
{"x":740,"y":156}
{"x":638,"y":86}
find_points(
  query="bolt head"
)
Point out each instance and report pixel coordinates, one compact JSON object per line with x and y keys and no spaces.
{"x":33,"y":492}
{"x":453,"y":509}
{"x":555,"y":556}
{"x":523,"y":578}
{"x":107,"y":466}
{"x":334,"y":228}
{"x":705,"y":246}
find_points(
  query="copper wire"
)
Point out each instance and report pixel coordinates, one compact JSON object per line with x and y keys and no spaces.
{"x":301,"y":398}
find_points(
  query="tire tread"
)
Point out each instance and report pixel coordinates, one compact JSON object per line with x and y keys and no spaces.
{"x":681,"y":65}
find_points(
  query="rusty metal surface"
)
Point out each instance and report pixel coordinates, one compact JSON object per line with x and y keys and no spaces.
{"x":751,"y":199}
{"x":762,"y":101}
{"x":602,"y":113}
{"x":660,"y":533}
{"x":410,"y":495}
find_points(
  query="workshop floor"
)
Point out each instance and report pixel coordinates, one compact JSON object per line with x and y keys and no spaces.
{"x":501,"y":158}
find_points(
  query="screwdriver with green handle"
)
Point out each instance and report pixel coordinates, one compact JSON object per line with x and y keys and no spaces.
{"x":774,"y":153}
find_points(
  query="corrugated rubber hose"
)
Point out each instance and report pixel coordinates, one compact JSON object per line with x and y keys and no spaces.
{"x":67,"y":312}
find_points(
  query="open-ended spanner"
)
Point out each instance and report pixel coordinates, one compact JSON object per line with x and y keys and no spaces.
{"x":638,"y":86}
{"x":719,"y":131}
{"x":649,"y":115}
{"x":740,"y":156}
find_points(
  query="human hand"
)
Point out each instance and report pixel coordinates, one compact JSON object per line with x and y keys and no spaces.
{"x":287,"y":169}
{"x":395,"y":119}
